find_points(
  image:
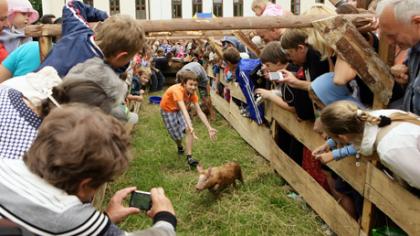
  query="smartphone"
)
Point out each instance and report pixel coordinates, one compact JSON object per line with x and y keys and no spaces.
{"x":275,"y":76}
{"x":141,"y":200}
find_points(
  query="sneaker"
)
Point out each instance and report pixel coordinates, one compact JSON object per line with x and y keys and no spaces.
{"x":193,"y":163}
{"x":180,"y":150}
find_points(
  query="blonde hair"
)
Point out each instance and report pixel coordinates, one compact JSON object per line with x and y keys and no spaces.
{"x":256,"y":3}
{"x":344,"y":117}
{"x":314,"y":37}
{"x":119,"y":33}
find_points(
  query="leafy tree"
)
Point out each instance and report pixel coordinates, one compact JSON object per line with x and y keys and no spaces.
{"x":37,"y":5}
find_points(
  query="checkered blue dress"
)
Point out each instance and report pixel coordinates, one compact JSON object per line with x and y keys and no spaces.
{"x":18,"y":124}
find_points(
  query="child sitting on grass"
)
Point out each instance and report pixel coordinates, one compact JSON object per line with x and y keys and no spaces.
{"x":175,"y":116}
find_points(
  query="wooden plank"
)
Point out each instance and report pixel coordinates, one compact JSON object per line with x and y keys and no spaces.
{"x":45,"y":46}
{"x":254,"y":134}
{"x":216,"y":47}
{"x":263,"y":22}
{"x":303,"y":131}
{"x":350,"y":45}
{"x":395,"y":201}
{"x":231,"y":23}
{"x":260,"y":139}
{"x":363,"y":4}
{"x":319,"y":200}
{"x":235,"y":90}
{"x":207,"y":33}
{"x":247,"y":42}
{"x":386,"y":51}
{"x":366,"y":220}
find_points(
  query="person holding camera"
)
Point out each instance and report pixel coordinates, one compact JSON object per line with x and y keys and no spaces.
{"x":50,"y":191}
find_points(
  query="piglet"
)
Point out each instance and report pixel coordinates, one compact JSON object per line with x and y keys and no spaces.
{"x":217,"y":178}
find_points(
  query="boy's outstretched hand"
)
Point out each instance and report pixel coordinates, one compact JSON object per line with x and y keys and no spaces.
{"x":212,"y":134}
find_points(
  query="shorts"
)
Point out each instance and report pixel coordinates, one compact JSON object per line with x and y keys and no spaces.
{"x":174,"y":123}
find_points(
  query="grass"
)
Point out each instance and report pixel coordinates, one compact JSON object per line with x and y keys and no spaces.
{"x":259,"y":207}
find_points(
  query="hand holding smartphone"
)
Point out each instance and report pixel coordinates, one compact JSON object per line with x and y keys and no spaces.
{"x":141,"y":200}
{"x":275,"y":76}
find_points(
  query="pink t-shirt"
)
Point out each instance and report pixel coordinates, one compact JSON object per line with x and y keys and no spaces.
{"x":272,"y":9}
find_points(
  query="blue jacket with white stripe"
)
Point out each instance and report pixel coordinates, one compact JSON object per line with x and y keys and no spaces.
{"x":77,"y":42}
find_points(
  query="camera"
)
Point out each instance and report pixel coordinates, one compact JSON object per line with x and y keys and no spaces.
{"x":141,"y":200}
{"x":275,"y":76}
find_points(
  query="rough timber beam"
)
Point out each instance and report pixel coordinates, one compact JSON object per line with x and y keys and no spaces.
{"x":225,"y":23}
{"x":247,"y":42}
{"x":350,"y":45}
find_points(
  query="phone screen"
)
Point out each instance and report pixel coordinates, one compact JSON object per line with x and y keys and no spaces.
{"x":275,"y":76}
{"x":141,"y":200}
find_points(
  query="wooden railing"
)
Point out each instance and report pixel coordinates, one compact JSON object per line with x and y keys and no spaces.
{"x":376,"y":188}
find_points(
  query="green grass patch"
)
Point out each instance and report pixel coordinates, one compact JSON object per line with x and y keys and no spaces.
{"x":259,"y":207}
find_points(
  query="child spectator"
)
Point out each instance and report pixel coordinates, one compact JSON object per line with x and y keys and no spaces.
{"x":20,"y":14}
{"x":371,"y":131}
{"x":30,"y":98}
{"x":203,"y":85}
{"x":175,"y":116}
{"x":116,"y":40}
{"x":26,"y":58}
{"x":266,"y":8}
{"x":71,"y":157}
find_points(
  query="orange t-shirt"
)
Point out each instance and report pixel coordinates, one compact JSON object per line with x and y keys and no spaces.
{"x":173,"y":95}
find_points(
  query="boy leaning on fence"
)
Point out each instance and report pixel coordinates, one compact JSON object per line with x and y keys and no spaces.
{"x":175,"y":116}
{"x":116,"y":40}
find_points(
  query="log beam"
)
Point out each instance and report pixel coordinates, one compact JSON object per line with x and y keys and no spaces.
{"x":350,"y":45}
{"x":225,"y":23}
{"x":247,"y":42}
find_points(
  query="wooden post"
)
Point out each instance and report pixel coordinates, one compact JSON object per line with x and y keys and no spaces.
{"x":216,"y":47}
{"x":248,"y":43}
{"x":349,"y":44}
{"x":45,"y":46}
{"x":386,"y":51}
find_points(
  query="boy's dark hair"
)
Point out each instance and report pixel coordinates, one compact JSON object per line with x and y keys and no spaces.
{"x":47,"y":19}
{"x":231,"y":55}
{"x":72,"y":145}
{"x":184,"y":75}
{"x":274,"y":53}
{"x":160,"y":51}
{"x":292,"y":38}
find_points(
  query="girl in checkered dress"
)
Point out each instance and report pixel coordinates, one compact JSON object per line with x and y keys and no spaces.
{"x":175,"y":116}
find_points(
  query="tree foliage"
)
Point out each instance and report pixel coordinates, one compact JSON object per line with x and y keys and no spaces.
{"x":37,"y":5}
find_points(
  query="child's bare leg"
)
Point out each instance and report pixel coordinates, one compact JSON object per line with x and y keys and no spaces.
{"x":189,"y":142}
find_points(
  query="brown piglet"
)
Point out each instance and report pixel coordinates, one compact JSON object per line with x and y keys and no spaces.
{"x":217,"y":178}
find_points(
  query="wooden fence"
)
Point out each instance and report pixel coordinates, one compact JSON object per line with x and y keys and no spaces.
{"x":376,"y":188}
